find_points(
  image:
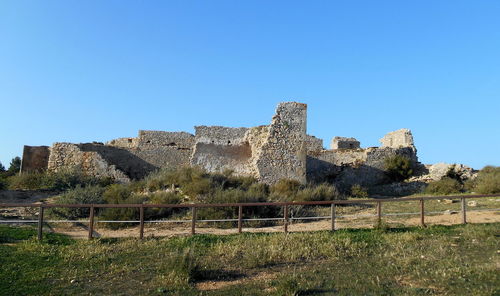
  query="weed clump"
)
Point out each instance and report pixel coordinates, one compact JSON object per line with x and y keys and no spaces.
{"x":358,"y":191}
{"x":444,"y":186}
{"x":292,"y":190}
{"x":79,"y":195}
{"x":488,"y":180}
{"x":55,"y":181}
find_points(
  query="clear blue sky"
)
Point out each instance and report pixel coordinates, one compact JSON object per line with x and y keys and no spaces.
{"x":81,"y":71}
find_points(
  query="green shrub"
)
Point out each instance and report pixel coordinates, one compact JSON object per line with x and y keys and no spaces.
{"x":57,"y":181}
{"x":444,"y":186}
{"x":79,"y":195}
{"x":237,"y":196}
{"x":163,"y":198}
{"x":30,"y":181}
{"x":317,"y":193}
{"x":120,"y":194}
{"x":398,"y":167}
{"x":488,"y":180}
{"x":137,"y":186}
{"x":117,"y":194}
{"x":193,"y":180}
{"x":222,"y":196}
{"x":358,"y":191}
{"x":227,"y":181}
{"x":285,"y":189}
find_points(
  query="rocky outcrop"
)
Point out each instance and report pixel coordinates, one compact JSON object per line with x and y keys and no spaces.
{"x":436,"y":172}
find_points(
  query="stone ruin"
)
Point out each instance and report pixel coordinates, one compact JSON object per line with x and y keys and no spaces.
{"x":280,"y":150}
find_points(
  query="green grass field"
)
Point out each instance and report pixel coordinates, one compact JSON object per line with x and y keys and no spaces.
{"x":438,"y":260}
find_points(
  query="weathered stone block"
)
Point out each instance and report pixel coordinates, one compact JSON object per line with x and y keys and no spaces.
{"x":398,"y":139}
{"x":344,"y":143}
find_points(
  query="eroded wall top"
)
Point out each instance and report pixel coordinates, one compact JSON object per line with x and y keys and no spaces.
{"x":283,"y":155}
{"x":398,"y":139}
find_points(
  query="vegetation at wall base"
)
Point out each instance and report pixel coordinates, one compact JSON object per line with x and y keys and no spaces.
{"x":486,"y":182}
{"x":444,"y":186}
{"x":194,"y":185}
{"x":55,"y":181}
{"x":452,"y":260}
{"x":398,"y":167}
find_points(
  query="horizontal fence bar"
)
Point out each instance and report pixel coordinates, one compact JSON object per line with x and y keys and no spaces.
{"x":310,"y":218}
{"x":247,"y":219}
{"x":257,"y":204}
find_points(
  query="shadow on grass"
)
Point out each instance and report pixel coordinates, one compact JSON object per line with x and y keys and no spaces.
{"x":13,"y":234}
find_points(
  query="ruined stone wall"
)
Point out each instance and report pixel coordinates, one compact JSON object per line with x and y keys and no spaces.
{"x":283,"y":155}
{"x":220,"y":148}
{"x":126,"y":143}
{"x":156,"y":139}
{"x":281,"y":150}
{"x":347,"y":167}
{"x":165,"y":149}
{"x":344,"y":143}
{"x":35,"y":159}
{"x":398,"y":139}
{"x":313,"y":144}
{"x":67,"y":155}
{"x":157,"y":149}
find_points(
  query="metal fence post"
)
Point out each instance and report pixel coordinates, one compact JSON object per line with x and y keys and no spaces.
{"x":240,"y":218}
{"x":332,"y":212}
{"x":464,"y":209}
{"x":285,"y":216}
{"x":422,"y":213}
{"x":193,"y":221}
{"x":91,"y":222}
{"x":40,"y":223}
{"x":141,"y":218}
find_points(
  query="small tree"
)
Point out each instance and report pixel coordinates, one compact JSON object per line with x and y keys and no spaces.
{"x":398,"y":167}
{"x":15,"y":166}
{"x":2,"y":168}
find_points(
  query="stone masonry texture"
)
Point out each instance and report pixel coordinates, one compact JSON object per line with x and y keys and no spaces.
{"x":280,"y":150}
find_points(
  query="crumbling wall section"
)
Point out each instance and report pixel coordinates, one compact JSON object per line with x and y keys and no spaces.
{"x":283,"y":155}
{"x":366,"y":167}
{"x":344,"y":143}
{"x":35,"y":159}
{"x":313,"y":144}
{"x":67,"y":155}
{"x":220,"y":148}
{"x":372,"y":170}
{"x":125,"y":143}
{"x":398,"y":139}
{"x":165,"y":149}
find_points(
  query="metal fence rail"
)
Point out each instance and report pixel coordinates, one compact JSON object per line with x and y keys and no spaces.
{"x":286,"y":219}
